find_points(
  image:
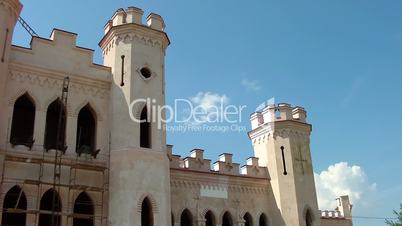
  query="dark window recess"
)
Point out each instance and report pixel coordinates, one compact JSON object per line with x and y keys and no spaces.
{"x":52,"y":121}
{"x":309,"y":219}
{"x":227,"y":219}
{"x":263,"y":220}
{"x":46,"y":205}
{"x":186,"y":218}
{"x":15,"y":198}
{"x":146,"y":213}
{"x":122,"y":71}
{"x":83,"y":210}
{"x":210,"y":219}
{"x":22,"y":125}
{"x":3,"y":55}
{"x":145,"y":129}
{"x":248,"y":221}
{"x":86,"y":132}
{"x":145,"y":72}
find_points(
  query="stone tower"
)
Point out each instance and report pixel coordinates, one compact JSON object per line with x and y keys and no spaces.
{"x":281,"y":139}
{"x":9,"y":13}
{"x":139,"y":167}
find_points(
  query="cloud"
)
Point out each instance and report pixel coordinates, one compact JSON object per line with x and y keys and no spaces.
{"x":342,"y":179}
{"x":251,"y":84}
{"x":210,"y":104}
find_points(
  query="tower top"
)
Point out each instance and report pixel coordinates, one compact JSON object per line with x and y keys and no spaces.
{"x":131,"y":19}
{"x":133,"y":15}
{"x":14,"y":5}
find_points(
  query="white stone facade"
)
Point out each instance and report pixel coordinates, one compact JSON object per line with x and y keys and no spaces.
{"x":115,"y":171}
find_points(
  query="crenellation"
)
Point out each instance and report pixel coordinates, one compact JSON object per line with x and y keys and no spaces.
{"x":299,"y":114}
{"x":226,"y":166}
{"x":252,"y":168}
{"x":285,"y":111}
{"x":156,"y":22}
{"x":197,"y":162}
{"x":119,"y":17}
{"x":134,"y":15}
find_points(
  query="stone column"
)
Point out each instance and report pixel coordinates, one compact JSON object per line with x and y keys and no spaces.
{"x":39,"y":129}
{"x":71,"y":134}
{"x":201,"y":222}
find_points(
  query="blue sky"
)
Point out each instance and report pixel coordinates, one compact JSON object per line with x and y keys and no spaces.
{"x":341,"y":60}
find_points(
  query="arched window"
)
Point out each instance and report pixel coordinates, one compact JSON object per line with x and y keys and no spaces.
{"x":227,"y":219}
{"x":248,"y":220}
{"x":83,"y":210}
{"x":209,"y":219}
{"x":147,"y":218}
{"x":22,"y":126}
{"x":172,"y":219}
{"x":145,"y":129}
{"x":309,"y":219}
{"x":52,"y":123}
{"x":46,"y":206}
{"x":186,"y":218}
{"x":86,"y":130}
{"x":14,"y":207}
{"x":263,"y":220}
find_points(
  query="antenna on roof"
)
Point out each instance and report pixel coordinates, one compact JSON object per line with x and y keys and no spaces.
{"x":27,"y":27}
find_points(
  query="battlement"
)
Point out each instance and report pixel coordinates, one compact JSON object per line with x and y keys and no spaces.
{"x":279,"y":112}
{"x":331,"y":214}
{"x":343,"y":209}
{"x":224,"y":165}
{"x":133,"y":15}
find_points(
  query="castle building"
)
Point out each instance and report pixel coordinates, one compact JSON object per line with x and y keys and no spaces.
{"x":72,"y":155}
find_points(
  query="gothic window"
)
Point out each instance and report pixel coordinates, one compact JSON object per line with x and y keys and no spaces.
{"x":145,"y":129}
{"x":14,"y":199}
{"x":227,"y":219}
{"x":46,"y":207}
{"x":186,"y":218}
{"x":52,"y":124}
{"x":209,"y":219}
{"x":22,"y":126}
{"x":86,"y":130}
{"x":248,"y":220}
{"x":83,"y":210}
{"x":147,"y":218}
{"x":309,"y":219}
{"x":263,"y":220}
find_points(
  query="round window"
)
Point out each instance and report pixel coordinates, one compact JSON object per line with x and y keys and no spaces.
{"x":145,"y":72}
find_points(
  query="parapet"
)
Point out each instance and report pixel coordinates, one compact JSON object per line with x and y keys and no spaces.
{"x":342,"y":211}
{"x":133,"y":15}
{"x":224,"y":165}
{"x":279,"y":112}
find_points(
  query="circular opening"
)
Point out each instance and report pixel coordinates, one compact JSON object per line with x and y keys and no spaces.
{"x":145,"y":72}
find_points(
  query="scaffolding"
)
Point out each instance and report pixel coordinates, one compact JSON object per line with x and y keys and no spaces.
{"x":73,"y":187}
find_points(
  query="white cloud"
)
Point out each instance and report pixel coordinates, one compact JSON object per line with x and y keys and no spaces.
{"x":211,"y":104}
{"x":251,"y":84}
{"x":342,"y":179}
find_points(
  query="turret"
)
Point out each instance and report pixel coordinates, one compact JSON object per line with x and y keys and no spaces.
{"x":281,"y":139}
{"x":9,"y":13}
{"x":139,"y":163}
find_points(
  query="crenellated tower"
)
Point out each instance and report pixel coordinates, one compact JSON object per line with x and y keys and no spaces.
{"x":138,"y":160}
{"x":281,"y":139}
{"x":9,"y":13}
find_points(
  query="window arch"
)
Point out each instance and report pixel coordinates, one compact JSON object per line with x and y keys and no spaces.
{"x":263,"y":220}
{"x":22,"y":125}
{"x":14,"y":199}
{"x":186,"y":218}
{"x":54,"y":111}
{"x":83,"y":210}
{"x":46,"y":206}
{"x":147,"y":218}
{"x":248,"y":220}
{"x":145,"y":129}
{"x":227,"y":219}
{"x":86,"y":131}
{"x":309,"y":218}
{"x":209,"y":219}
